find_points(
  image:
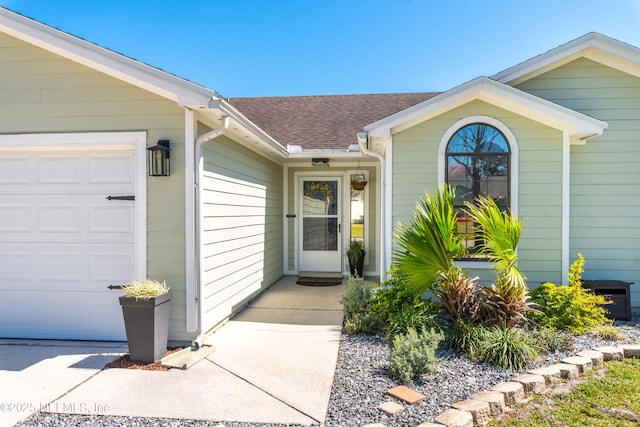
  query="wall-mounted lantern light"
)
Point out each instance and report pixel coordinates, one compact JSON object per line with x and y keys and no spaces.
{"x":158,"y":157}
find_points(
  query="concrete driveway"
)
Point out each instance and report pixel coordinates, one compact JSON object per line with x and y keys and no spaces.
{"x":274,"y":363}
{"x":35,"y":373}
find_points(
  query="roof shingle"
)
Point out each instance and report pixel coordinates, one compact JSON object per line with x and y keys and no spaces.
{"x":323,"y":122}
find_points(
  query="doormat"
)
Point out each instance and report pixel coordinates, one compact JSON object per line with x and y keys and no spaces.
{"x":319,"y":281}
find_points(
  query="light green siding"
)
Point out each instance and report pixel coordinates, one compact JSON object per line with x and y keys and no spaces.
{"x":605,"y":173}
{"x":415,"y":171}
{"x":43,"y":93}
{"x":242,"y":227}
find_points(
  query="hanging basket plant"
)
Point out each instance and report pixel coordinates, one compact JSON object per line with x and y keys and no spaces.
{"x":357,"y":184}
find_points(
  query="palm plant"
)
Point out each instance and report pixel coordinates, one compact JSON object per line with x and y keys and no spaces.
{"x":429,"y":245}
{"x":505,"y":302}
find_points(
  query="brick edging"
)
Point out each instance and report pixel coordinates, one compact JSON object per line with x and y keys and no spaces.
{"x":485,"y":405}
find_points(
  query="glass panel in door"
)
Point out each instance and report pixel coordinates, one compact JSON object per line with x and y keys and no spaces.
{"x":320,"y":225}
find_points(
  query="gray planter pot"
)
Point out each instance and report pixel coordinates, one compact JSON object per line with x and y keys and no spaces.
{"x":147,"y":325}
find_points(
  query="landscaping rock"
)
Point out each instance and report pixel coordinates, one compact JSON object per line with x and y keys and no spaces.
{"x":513,"y":392}
{"x":631,"y":350}
{"x":495,"y":399}
{"x":455,"y":418}
{"x":597,"y":358}
{"x":551,"y":374}
{"x":567,"y":371}
{"x":406,"y":395}
{"x":583,"y":363}
{"x":533,"y":384}
{"x":391,"y":408}
{"x":610,"y":353}
{"x":479,"y":410}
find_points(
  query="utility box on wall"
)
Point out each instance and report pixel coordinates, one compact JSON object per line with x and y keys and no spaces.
{"x":616,"y":291}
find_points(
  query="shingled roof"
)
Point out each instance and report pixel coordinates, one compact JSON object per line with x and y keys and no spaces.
{"x":323,"y":122}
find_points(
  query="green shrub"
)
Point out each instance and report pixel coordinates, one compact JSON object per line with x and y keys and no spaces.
{"x":398,"y":308}
{"x":571,"y":307}
{"x":550,"y":340}
{"x":362,"y":323}
{"x":356,"y":298}
{"x":607,"y":332}
{"x":423,"y":316}
{"x":413,"y":354}
{"x":464,"y":336}
{"x":506,"y":348}
{"x":356,"y":304}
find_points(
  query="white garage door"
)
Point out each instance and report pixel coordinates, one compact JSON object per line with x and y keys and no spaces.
{"x":62,"y":242}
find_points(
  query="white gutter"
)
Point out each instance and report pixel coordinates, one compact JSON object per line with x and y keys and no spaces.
{"x":385,"y":237}
{"x":199,"y":171}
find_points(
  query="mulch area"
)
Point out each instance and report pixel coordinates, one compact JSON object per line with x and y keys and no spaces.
{"x":124,"y":362}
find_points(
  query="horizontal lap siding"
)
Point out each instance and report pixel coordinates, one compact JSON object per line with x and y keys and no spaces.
{"x":415,"y":171}
{"x":242,"y":227}
{"x":605,"y":173}
{"x":44,"y":93}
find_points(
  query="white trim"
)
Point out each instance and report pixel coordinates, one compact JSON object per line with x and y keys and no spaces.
{"x":106,"y":140}
{"x":594,"y":46}
{"x":566,"y":205}
{"x":285,"y":222}
{"x":98,"y":58}
{"x":484,"y":89}
{"x":513,"y":146}
{"x":341,"y":175}
{"x":366,"y":213}
{"x":191,"y":279}
{"x":388,"y":224}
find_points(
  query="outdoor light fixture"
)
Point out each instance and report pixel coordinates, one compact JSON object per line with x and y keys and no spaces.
{"x":158,"y":156}
{"x":320,"y":162}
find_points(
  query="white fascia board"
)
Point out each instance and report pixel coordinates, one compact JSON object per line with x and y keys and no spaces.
{"x":488,"y":90}
{"x":104,"y":60}
{"x":594,"y":46}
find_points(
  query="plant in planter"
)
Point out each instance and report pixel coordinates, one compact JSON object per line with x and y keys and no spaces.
{"x":145,"y":306}
{"x":355,"y":254}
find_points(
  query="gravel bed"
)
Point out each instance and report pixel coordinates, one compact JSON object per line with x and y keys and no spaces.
{"x":360,"y":384}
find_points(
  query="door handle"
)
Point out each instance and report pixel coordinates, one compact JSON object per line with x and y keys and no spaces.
{"x":339,"y":228}
{"x":121,"y":197}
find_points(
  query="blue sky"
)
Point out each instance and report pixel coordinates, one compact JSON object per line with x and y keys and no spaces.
{"x":312,"y":47}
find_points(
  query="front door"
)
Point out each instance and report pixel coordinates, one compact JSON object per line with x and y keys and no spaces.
{"x":320,"y":227}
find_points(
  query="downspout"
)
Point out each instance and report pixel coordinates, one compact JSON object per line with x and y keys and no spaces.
{"x":199,"y":171}
{"x":362,"y":141}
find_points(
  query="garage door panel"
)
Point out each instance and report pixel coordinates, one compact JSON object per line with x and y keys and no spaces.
{"x":111,"y":268}
{"x":65,"y":266}
{"x":113,"y":218}
{"x":69,"y":316}
{"x":46,"y":218}
{"x":62,"y":243}
{"x":15,"y":170}
{"x":59,"y":169}
{"x":15,"y":217}
{"x":60,"y":218}
{"x":114,"y":169}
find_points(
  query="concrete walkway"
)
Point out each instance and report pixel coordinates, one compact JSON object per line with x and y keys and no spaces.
{"x":274,"y":363}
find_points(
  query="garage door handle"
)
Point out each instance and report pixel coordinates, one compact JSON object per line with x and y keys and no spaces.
{"x":112,"y":287}
{"x":121,"y":197}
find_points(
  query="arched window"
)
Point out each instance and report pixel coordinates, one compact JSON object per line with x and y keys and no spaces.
{"x":477,"y":163}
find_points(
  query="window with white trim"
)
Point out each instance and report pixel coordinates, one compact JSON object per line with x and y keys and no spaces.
{"x":477,"y":163}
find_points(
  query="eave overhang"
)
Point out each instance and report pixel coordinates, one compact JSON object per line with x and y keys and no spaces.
{"x":576,"y":125}
{"x":594,"y":46}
